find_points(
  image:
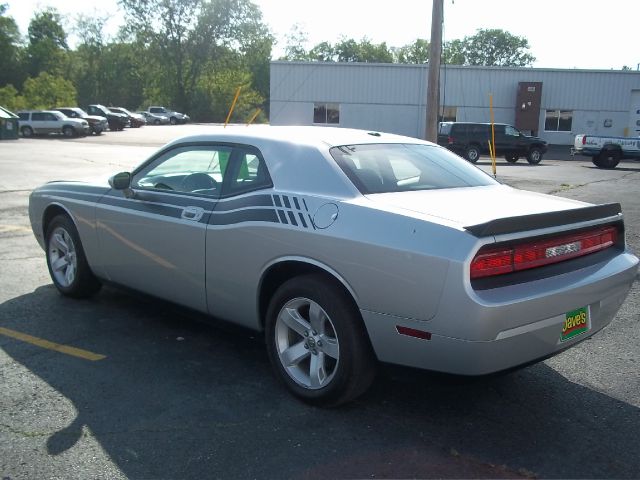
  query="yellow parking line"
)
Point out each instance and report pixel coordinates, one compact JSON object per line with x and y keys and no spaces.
{"x":40,"y":342}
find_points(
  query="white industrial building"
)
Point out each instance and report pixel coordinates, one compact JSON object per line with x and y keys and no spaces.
{"x":554,"y":104}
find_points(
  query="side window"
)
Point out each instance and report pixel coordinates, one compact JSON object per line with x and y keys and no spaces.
{"x":38,"y":116}
{"x":249,"y":173}
{"x":23,"y":115}
{"x":192,"y":169}
{"x":509,"y":130}
{"x":50,"y":117}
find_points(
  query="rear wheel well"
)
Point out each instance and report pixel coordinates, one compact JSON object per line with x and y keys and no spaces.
{"x":284,"y":271}
{"x":611,"y":147}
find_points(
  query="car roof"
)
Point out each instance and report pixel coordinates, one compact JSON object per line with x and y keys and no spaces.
{"x":302,"y":135}
{"x":39,"y":111}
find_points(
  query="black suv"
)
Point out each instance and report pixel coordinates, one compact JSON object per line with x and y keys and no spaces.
{"x":117,"y":121}
{"x":470,"y":140}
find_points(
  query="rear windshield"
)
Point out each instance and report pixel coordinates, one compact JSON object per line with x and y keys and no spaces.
{"x":382,"y":168}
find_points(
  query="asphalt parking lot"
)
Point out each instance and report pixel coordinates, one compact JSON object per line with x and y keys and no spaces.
{"x":123,"y":386}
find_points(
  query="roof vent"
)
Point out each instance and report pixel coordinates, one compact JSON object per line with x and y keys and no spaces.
{"x":373,"y":134}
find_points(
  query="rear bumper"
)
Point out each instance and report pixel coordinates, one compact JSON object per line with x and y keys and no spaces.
{"x":537,"y":335}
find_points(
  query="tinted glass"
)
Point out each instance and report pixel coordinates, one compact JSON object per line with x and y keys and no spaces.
{"x":38,"y":116}
{"x":23,"y":116}
{"x":382,"y":168}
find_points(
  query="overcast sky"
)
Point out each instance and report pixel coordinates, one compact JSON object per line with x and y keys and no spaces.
{"x":562,"y":33}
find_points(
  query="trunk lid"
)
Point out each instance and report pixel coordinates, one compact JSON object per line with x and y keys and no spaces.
{"x":475,"y":205}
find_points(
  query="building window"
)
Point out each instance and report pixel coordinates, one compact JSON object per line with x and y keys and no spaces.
{"x":558,"y":121}
{"x":326,"y":113}
{"x":448,"y":114}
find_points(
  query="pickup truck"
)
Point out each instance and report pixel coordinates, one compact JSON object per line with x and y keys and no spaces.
{"x":606,"y":152}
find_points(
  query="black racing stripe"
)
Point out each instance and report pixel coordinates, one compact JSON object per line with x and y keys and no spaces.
{"x":283,"y":217}
{"x":146,"y":207}
{"x":244,"y":202}
{"x":295,"y":201}
{"x":311,"y":222}
{"x":304,"y":223}
{"x":305,"y":204}
{"x":247,"y":215}
{"x":287,"y":204}
{"x":292,"y":219}
{"x":276,"y":198}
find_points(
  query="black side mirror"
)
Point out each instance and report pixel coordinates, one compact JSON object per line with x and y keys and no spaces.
{"x":122,"y":181}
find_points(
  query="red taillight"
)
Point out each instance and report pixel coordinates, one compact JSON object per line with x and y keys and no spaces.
{"x":584,"y":139}
{"x":491,"y":261}
{"x":451,"y":140}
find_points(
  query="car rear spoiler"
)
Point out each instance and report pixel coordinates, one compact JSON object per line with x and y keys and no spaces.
{"x":544,"y":220}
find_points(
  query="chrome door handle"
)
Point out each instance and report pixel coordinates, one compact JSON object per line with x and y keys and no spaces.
{"x":192,"y":213}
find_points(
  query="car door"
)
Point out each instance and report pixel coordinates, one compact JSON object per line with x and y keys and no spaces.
{"x":518,"y":142}
{"x":153,"y":238}
{"x":501,"y":139}
{"x":238,"y":229}
{"x":39,"y":122}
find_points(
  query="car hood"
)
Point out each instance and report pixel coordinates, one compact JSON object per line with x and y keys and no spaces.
{"x":95,"y":118}
{"x":536,"y":139}
{"x":473,"y":205}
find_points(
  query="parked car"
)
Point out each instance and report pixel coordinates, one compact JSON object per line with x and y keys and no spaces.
{"x":155,"y":118}
{"x":471,"y":140}
{"x":117,"y":121}
{"x":96,"y":123}
{"x":345,"y":247}
{"x":44,"y":122}
{"x":174,"y":117}
{"x":606,"y":152}
{"x":135,"y":120}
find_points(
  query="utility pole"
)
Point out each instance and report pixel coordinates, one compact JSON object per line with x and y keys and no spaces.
{"x":433,"y":86}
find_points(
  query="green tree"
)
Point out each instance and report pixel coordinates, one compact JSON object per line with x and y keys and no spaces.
{"x":10,"y":99}
{"x":216,"y":90}
{"x":11,"y":50}
{"x":349,"y":50}
{"x":47,"y":91}
{"x":87,"y":60}
{"x":453,"y":52}
{"x":47,"y":50}
{"x":322,"y":52}
{"x":181,"y":37}
{"x":295,"y":48}
{"x":489,"y":47}
{"x":416,"y":52}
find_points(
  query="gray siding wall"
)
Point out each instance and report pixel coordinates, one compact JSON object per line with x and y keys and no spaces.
{"x":391,"y":97}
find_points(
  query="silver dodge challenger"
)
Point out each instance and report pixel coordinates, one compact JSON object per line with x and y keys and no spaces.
{"x":346,"y":248}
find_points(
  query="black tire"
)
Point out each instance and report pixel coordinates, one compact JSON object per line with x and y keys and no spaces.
{"x":342,"y":329}
{"x":156,"y":122}
{"x":472,"y":153}
{"x":511,"y":157}
{"x":607,"y":159}
{"x":26,"y":132}
{"x":68,"y":131}
{"x":534,"y":156}
{"x":61,"y":233}
{"x":173,"y":121}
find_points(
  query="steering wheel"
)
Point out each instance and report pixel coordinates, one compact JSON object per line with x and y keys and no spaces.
{"x":198,"y":181}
